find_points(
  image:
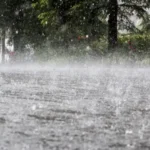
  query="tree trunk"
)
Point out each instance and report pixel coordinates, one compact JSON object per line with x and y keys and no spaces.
{"x":16,"y":42}
{"x":112,"y":24}
{"x":3,"y":46}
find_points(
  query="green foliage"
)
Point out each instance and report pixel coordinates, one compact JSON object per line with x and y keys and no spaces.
{"x":46,"y":16}
{"x":86,"y":17}
{"x":61,"y":23}
{"x":21,"y":20}
{"x":139,"y":41}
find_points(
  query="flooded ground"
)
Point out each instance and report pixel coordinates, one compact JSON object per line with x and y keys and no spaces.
{"x":75,"y":109}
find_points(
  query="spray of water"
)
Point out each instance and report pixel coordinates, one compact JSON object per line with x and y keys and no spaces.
{"x":74,"y":105}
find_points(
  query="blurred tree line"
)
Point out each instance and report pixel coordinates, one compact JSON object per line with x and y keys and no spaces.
{"x":72,"y":22}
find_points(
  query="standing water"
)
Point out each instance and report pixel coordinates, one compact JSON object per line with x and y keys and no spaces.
{"x":74,"y":108}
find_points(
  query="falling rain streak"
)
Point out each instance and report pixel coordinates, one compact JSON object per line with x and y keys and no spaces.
{"x":74,"y":109}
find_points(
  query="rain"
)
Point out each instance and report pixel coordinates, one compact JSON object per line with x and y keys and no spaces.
{"x":74,"y":75}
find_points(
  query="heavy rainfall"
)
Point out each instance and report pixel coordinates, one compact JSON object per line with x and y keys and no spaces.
{"x":74,"y":75}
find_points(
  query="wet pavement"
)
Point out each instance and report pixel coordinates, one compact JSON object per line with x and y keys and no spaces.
{"x":75,"y":109}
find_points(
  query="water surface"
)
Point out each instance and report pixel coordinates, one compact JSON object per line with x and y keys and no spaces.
{"x":98,"y":108}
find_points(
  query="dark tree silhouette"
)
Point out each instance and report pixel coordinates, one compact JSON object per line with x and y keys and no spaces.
{"x":112,"y":24}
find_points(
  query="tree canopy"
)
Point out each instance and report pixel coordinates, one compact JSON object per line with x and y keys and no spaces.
{"x":92,"y":17}
{"x":59,"y":21}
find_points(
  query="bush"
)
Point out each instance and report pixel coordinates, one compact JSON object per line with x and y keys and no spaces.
{"x":139,"y":41}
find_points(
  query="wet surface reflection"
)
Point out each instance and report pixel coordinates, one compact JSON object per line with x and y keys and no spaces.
{"x":75,"y":109}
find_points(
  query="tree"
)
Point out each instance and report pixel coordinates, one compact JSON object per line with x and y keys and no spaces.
{"x":20,"y":18}
{"x":3,"y":18}
{"x":126,"y":9}
{"x":60,"y":21}
{"x":112,"y":23}
{"x":69,"y":19}
{"x":89,"y":16}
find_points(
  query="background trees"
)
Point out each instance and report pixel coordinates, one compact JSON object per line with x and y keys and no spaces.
{"x":19,"y":23}
{"x":62,"y":21}
{"x":90,"y":16}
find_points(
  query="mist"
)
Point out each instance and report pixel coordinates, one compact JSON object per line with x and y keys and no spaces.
{"x":74,"y":75}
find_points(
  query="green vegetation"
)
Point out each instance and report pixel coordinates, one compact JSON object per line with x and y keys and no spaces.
{"x":74,"y":27}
